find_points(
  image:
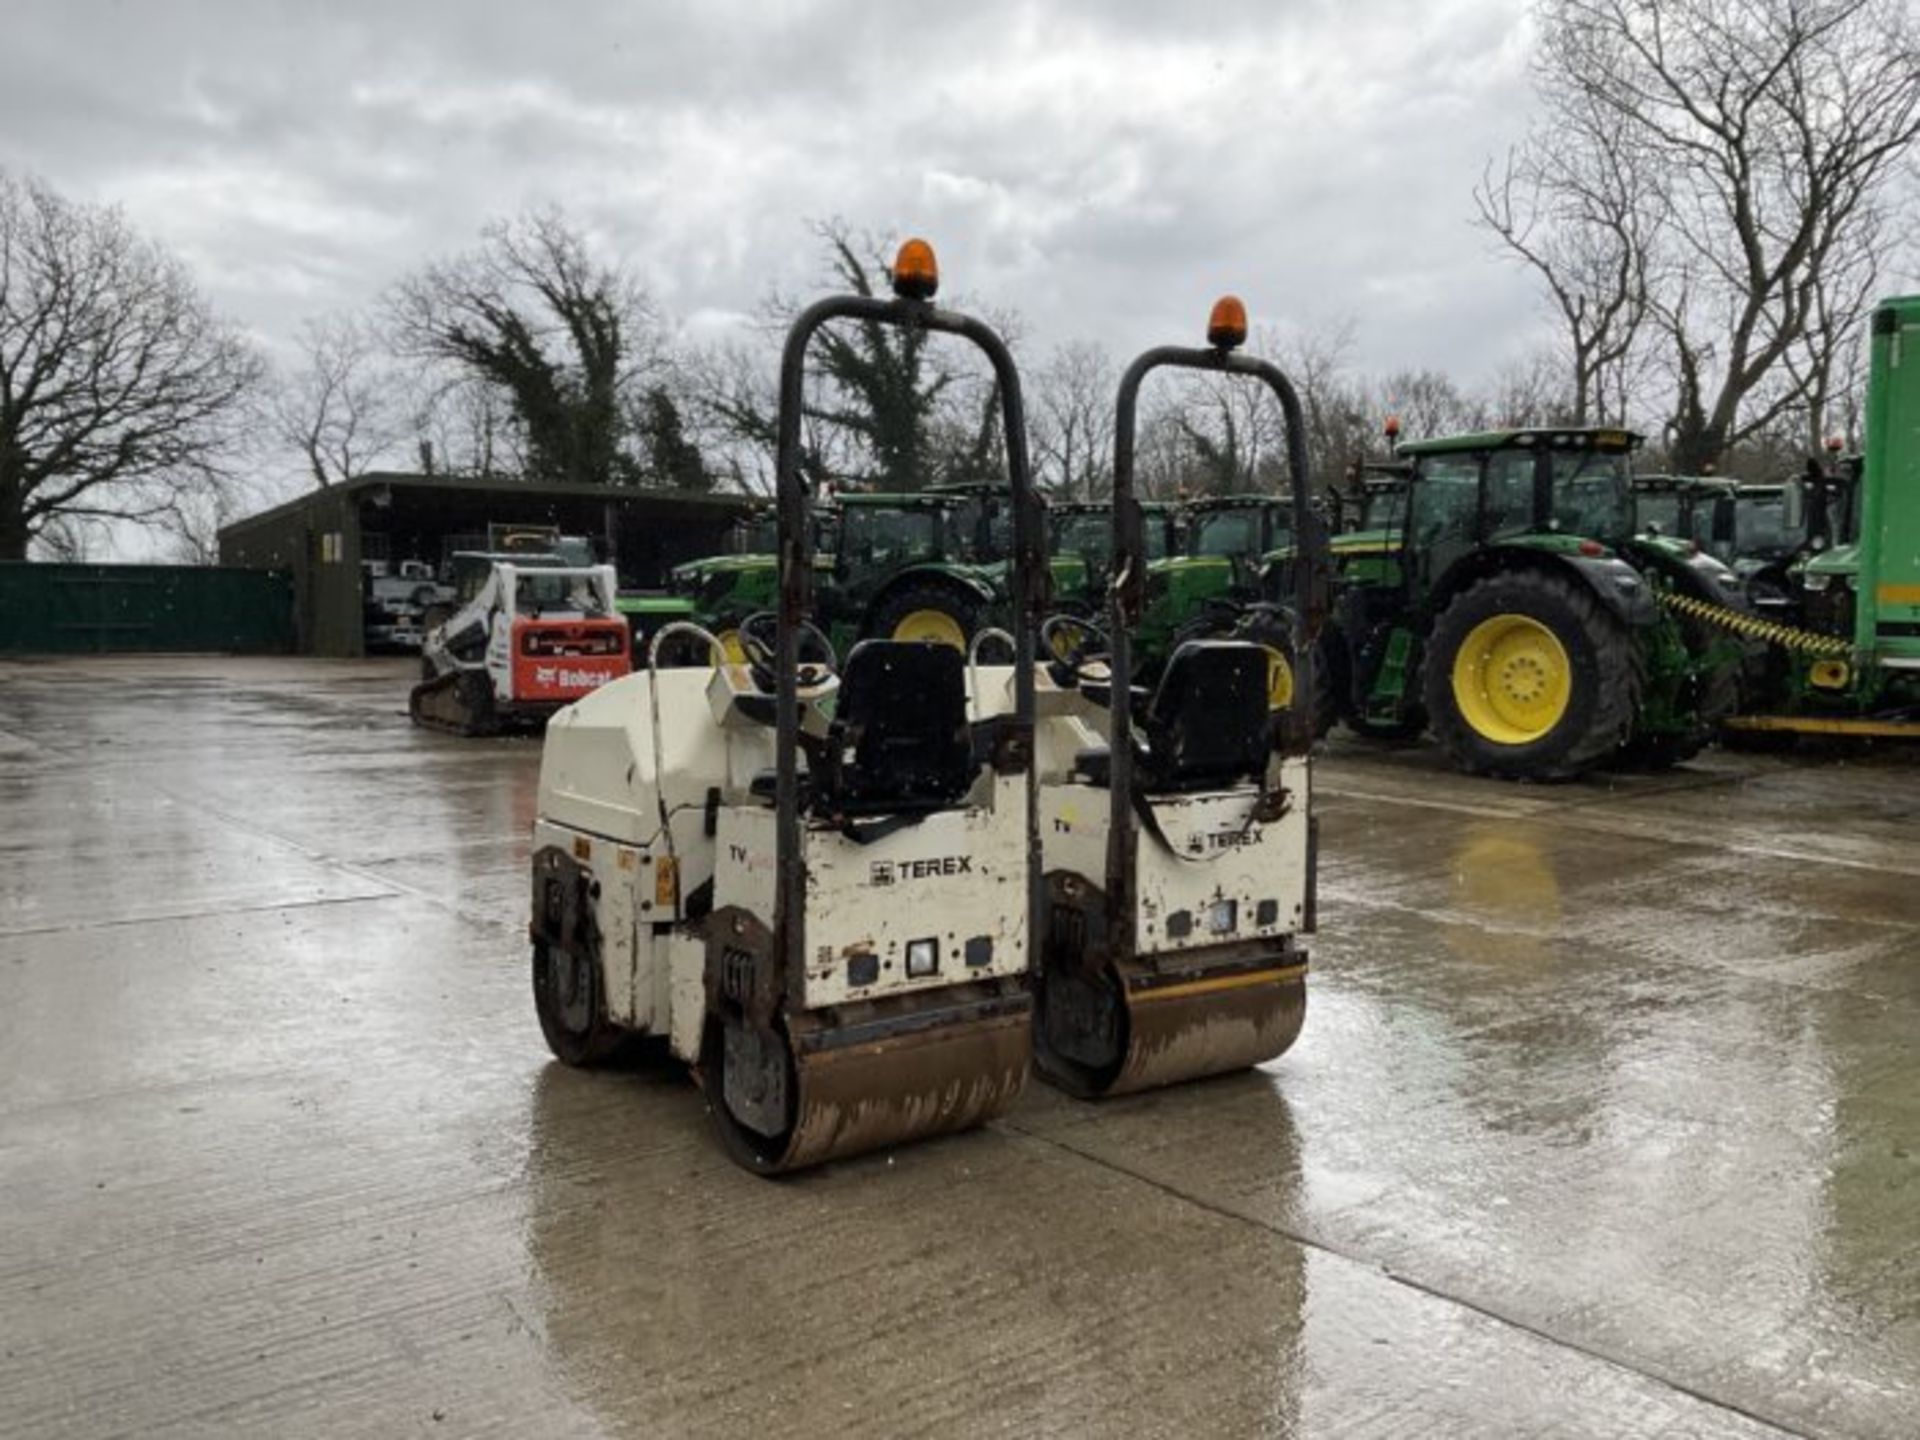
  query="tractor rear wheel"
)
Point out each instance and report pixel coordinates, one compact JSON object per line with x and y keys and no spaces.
{"x":928,"y":611}
{"x":1530,"y":677}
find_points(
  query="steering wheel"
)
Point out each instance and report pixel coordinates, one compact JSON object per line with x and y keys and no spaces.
{"x":1073,"y":646}
{"x":759,"y":634}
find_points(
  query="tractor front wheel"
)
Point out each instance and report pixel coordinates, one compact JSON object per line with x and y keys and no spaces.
{"x":1529,"y":677}
{"x":1269,"y":632}
{"x":942,"y":614}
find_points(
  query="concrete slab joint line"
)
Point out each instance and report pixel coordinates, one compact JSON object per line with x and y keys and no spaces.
{"x":1412,"y":1282}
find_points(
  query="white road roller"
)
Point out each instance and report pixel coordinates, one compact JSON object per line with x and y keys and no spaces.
{"x":1177,"y":827}
{"x":812,"y":877}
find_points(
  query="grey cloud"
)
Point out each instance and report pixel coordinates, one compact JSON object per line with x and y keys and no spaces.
{"x":1102,"y":168}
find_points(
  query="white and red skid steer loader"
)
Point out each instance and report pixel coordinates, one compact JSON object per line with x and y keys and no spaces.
{"x":532,"y":638}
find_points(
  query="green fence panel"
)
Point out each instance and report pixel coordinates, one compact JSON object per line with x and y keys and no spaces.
{"x":52,"y":609}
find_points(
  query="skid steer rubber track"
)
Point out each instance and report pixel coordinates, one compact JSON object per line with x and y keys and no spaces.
{"x":866,"y":1082}
{"x":459,"y":702}
{"x":1142,"y":1025}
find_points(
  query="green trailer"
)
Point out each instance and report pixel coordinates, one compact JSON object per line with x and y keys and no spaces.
{"x":1846,"y":661}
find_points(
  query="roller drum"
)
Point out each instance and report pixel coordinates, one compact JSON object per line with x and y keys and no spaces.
{"x":882,"y":1081}
{"x":1136,"y":1027}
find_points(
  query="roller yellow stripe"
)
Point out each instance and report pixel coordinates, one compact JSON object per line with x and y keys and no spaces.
{"x":1218,"y":983}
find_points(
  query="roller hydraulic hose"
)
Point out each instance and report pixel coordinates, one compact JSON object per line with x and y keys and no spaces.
{"x":1787,"y":637}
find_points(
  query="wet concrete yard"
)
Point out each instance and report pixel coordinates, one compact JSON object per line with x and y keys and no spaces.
{"x":1606,"y":1121}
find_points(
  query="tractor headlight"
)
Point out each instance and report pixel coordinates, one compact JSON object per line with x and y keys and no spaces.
{"x":1816,"y":583}
{"x":923,"y":958}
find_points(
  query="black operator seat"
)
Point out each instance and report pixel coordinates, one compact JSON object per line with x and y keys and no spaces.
{"x":899,"y":742}
{"x":1206,"y":725}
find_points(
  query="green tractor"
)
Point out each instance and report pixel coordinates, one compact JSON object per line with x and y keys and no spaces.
{"x":1209,"y":565}
{"x":718,"y":592}
{"x":1082,"y":530}
{"x":1846,"y":658}
{"x":1757,"y":529}
{"x":1504,"y":602}
{"x":1367,"y":524}
{"x":930,"y":566}
{"x":1215,"y":585}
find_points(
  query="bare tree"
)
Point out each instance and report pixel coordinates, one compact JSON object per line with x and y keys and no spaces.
{"x":1577,"y":205}
{"x":1427,"y":403}
{"x":118,"y":386}
{"x":883,"y":407}
{"x":1766,"y":129}
{"x":1233,"y":433}
{"x":879,"y":389}
{"x":1163,"y":453}
{"x":67,"y":539}
{"x":1341,"y":419}
{"x":191,"y":523}
{"x":732,"y":408}
{"x":462,"y":425}
{"x":1826,"y":370}
{"x":1072,"y":421}
{"x":1529,"y":390}
{"x":343,"y":409}
{"x":560,"y":334}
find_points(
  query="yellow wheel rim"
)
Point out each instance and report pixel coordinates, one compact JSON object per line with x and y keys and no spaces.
{"x":730,"y":645}
{"x":934,"y":626}
{"x":1065,"y":639}
{"x":1279,"y":680}
{"x":1512,"y":680}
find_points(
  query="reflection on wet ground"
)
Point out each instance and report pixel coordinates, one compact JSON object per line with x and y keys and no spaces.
{"x":1604,"y":1122}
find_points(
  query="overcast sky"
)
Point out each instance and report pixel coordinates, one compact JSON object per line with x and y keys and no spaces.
{"x":1103,"y":168}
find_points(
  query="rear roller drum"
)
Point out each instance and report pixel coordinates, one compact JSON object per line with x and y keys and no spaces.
{"x":781,"y":1104}
{"x":1110,"y":1034}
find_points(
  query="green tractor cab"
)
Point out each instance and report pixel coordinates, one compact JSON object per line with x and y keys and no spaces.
{"x":931,"y":566}
{"x":1082,"y":531}
{"x":1368,"y":545}
{"x":1211,"y":587}
{"x":1505,"y":602}
{"x":1757,"y":529}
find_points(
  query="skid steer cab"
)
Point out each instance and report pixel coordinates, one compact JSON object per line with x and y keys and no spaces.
{"x":811,"y":876}
{"x":529,"y":638}
{"x":1176,"y":819}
